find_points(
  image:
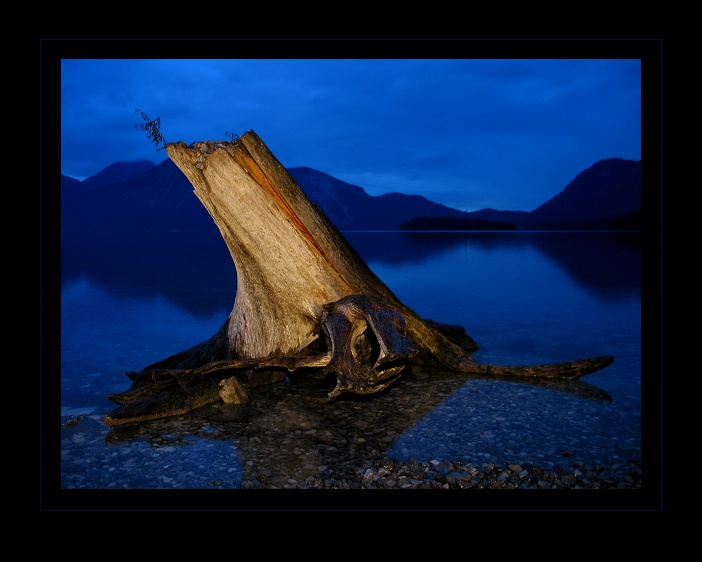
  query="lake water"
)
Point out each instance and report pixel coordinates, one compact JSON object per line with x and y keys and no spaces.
{"x":525,"y":297}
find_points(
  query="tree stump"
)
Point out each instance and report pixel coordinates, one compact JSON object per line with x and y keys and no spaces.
{"x":305,"y":300}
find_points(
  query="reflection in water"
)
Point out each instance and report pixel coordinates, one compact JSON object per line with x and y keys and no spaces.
{"x":520,"y":292}
{"x":409,"y":247}
{"x":597,"y":261}
{"x":573,"y":387}
{"x":292,"y":430}
{"x":490,"y":421}
{"x":193,"y":269}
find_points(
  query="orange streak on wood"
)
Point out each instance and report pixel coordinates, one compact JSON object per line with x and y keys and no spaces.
{"x":250,"y":166}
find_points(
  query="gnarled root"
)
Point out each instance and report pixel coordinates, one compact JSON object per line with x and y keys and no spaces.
{"x":366,"y":346}
{"x":563,"y":370}
{"x":160,"y":393}
{"x":369,"y":344}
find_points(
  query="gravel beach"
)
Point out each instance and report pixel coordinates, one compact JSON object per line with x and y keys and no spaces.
{"x":292,"y":436}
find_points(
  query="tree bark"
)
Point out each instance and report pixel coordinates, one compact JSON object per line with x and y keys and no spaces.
{"x":305,"y":299}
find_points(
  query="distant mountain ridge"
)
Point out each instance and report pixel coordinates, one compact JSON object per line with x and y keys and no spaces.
{"x":351,"y":208}
{"x":143,"y":196}
{"x":606,"y":196}
{"x":610,"y":189}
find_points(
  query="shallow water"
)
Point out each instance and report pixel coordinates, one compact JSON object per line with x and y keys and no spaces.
{"x":525,"y":297}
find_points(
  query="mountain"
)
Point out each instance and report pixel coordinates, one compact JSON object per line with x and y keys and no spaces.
{"x":350,"y":208}
{"x":606,"y":196}
{"x":117,"y":172}
{"x":133,"y":200}
{"x":606,"y":192}
{"x":143,"y":196}
{"x":114,"y":173}
{"x":125,"y":198}
{"x":71,"y":187}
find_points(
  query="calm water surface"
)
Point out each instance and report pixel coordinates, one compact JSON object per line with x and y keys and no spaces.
{"x":525,"y":297}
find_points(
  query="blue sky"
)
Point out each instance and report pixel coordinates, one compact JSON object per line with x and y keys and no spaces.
{"x":469,"y":133}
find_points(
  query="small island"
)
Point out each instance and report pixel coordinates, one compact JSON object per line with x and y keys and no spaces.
{"x":454,"y":223}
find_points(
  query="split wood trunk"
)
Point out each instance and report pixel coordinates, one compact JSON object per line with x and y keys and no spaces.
{"x":305,"y":300}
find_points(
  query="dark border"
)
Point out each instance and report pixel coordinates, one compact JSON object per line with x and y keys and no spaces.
{"x":53,"y":499}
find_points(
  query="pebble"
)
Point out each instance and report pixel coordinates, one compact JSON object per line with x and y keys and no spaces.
{"x":292,"y":436}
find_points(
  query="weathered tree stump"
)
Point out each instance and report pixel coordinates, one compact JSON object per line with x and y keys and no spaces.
{"x":305,"y":300}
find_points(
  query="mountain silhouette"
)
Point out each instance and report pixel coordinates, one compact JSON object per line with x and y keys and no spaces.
{"x":608,"y":191}
{"x":606,"y":196}
{"x":351,"y":208}
{"x":143,"y":196}
{"x":114,"y":173}
{"x":134,"y":197}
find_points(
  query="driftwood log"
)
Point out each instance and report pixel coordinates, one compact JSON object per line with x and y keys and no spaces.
{"x":305,"y":301}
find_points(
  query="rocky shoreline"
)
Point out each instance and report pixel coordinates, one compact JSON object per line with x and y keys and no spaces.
{"x":414,"y":474}
{"x":430,"y":432}
{"x":179,"y":454}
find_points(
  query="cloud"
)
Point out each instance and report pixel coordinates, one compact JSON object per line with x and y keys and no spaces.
{"x":468,"y":133}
